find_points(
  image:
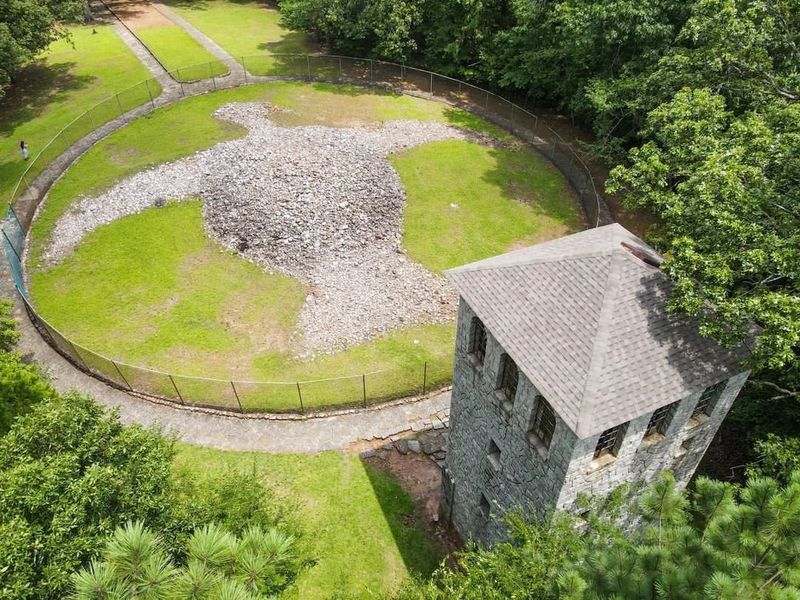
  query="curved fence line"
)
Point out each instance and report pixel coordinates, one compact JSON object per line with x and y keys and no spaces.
{"x":248,"y":396}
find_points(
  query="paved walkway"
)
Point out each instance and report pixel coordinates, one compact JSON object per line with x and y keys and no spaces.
{"x":215,"y":429}
{"x":170,"y":88}
{"x":226,"y":431}
{"x":236,"y":69}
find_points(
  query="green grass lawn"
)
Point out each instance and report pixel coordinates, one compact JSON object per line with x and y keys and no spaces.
{"x":70,"y":77}
{"x":467,"y":202}
{"x":356,"y":519}
{"x":242,"y":28}
{"x":175,"y":301}
{"x":180,"y":53}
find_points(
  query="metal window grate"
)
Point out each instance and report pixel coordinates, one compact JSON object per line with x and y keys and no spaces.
{"x":544,"y":421}
{"x":509,"y":378}
{"x":477,"y":340}
{"x":494,"y":455}
{"x":661,"y":419}
{"x":610,"y":441}
{"x":484,"y":507}
{"x":708,"y":399}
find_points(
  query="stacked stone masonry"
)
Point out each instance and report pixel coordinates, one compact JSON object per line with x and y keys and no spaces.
{"x":528,"y":475}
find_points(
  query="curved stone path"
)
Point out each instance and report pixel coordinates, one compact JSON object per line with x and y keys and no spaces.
{"x":215,"y":429}
{"x":208,"y":428}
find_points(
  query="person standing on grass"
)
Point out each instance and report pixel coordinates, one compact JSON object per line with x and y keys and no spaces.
{"x":23,"y":148}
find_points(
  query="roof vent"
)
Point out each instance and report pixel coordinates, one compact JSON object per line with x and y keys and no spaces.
{"x":642,"y":255}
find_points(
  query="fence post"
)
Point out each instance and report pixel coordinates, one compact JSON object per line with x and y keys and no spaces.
{"x":364,"y":388}
{"x":119,"y":104}
{"x":14,"y":214}
{"x":183,"y":94}
{"x":371,"y":74}
{"x":486,"y":101}
{"x":149,"y":93}
{"x":176,"y":388}
{"x":299,"y":395}
{"x":121,"y":375}
{"x":308,"y":67}
{"x":340,"y":68}
{"x":425,"y":377}
{"x":14,"y":250}
{"x":235,"y":393}
{"x":78,"y":354}
{"x":431,"y":92}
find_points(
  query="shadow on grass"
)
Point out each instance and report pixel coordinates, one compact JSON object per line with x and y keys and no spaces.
{"x":35,"y":88}
{"x":418,"y":550}
{"x":204,"y":4}
{"x":524,"y":175}
{"x":292,"y":42}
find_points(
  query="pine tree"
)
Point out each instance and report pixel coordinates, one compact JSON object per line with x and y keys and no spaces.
{"x":219,"y":566}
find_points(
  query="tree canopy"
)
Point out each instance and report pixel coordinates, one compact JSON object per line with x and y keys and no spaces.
{"x":215,"y":564}
{"x":29,"y":26}
{"x":715,"y":541}
{"x":697,"y":102}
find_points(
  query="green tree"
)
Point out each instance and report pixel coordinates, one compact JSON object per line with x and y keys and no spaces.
{"x":776,"y":456}
{"x":70,"y":474}
{"x":705,"y":544}
{"x":218,"y":564}
{"x":29,"y":26}
{"x":725,"y":188}
{"x":715,"y":541}
{"x":21,"y":383}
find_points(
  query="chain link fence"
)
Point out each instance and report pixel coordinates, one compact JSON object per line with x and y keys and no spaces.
{"x":359,"y":390}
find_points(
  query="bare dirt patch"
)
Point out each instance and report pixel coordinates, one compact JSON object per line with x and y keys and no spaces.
{"x":137,"y":14}
{"x":421,"y":478}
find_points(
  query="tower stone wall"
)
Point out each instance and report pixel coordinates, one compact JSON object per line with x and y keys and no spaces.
{"x":477,"y":487}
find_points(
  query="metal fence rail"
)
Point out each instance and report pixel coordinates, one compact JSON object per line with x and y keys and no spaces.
{"x":248,"y":396}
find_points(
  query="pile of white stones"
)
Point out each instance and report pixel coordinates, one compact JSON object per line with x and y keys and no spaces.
{"x":318,"y":203}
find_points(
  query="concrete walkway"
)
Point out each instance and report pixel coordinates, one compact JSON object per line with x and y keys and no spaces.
{"x":170,"y":88}
{"x":236,"y":69}
{"x":278,"y":433}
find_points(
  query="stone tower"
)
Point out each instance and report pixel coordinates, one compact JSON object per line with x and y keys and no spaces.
{"x":570,"y":376}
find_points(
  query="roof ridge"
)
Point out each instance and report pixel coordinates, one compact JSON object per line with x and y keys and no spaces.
{"x":602,"y":333}
{"x":532,"y":261}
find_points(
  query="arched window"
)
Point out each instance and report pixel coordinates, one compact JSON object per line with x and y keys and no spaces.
{"x":509,"y":379}
{"x":477,"y":340}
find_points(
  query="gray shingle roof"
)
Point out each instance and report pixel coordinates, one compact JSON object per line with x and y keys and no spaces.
{"x":586,"y":321}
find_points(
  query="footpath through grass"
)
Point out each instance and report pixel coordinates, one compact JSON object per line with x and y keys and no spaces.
{"x":71,"y":76}
{"x":182,"y":55}
{"x":363,"y":542}
{"x":177,"y":302}
{"x":243,"y":28}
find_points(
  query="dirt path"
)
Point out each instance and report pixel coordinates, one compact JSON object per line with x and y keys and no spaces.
{"x":137,"y":13}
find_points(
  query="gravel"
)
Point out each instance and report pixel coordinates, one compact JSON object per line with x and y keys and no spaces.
{"x":321,"y":204}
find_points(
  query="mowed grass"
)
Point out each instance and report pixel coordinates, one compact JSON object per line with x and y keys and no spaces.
{"x":364,"y":538}
{"x":467,"y":202}
{"x":70,"y":77}
{"x":185,"y":127}
{"x":243,"y":28}
{"x":172,"y":298}
{"x":180,"y":53}
{"x":136,"y":278}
